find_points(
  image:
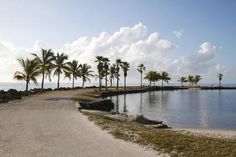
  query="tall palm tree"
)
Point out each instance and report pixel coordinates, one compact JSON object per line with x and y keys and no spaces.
{"x":106,"y":69}
{"x":141,"y":68}
{"x":182,"y":80}
{"x":118,"y":63}
{"x":59,"y":65}
{"x":220,"y":76}
{"x":100,"y":66}
{"x":30,"y":70}
{"x":190,"y":79}
{"x":197,"y":78}
{"x":85,"y":73}
{"x":125,"y":67}
{"x":73,"y":70}
{"x":112,"y":72}
{"x":164,"y":76}
{"x":45,"y":63}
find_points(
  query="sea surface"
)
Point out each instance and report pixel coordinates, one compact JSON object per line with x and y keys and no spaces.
{"x":214,"y":109}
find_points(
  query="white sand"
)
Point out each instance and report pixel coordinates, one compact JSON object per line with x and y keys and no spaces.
{"x":46,"y":125}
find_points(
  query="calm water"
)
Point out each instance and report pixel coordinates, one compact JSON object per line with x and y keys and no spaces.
{"x":183,"y":108}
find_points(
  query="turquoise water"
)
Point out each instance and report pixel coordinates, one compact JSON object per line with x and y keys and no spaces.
{"x":183,"y":108}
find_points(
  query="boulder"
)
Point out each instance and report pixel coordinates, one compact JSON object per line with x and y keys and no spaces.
{"x":102,"y":105}
{"x":142,"y":120}
{"x":160,"y":126}
{"x":13,"y":94}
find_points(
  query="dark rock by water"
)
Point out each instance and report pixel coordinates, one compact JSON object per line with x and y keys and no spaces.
{"x":102,"y":105}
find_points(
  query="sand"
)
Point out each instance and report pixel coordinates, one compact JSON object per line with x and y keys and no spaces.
{"x":49,"y":125}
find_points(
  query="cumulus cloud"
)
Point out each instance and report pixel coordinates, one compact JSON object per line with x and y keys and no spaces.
{"x":132,"y":44}
{"x":178,"y":34}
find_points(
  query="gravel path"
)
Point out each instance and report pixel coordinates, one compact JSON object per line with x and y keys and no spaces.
{"x":48,"y":125}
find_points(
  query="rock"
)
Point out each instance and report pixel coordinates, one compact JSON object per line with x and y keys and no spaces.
{"x":13,"y":94}
{"x":102,"y":105}
{"x":160,"y":126}
{"x":142,"y":120}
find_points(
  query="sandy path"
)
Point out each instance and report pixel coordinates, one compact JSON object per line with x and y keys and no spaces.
{"x":45,"y":126}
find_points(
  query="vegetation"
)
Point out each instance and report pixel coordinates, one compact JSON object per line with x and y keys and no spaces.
{"x":59,"y":65}
{"x":141,"y":68}
{"x":100,"y":66}
{"x":167,"y":141}
{"x":117,"y":74}
{"x":152,"y":76}
{"x":182,"y":80}
{"x":45,"y":62}
{"x":164,"y":77}
{"x":112,"y":73}
{"x":85,"y":73}
{"x":30,"y":70}
{"x":220,"y":76}
{"x":73,"y":71}
{"x":125,"y":67}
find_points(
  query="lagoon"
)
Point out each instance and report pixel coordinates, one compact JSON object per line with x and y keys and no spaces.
{"x":211,"y":109}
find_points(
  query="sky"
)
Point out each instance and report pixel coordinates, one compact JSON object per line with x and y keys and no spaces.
{"x":180,"y":37}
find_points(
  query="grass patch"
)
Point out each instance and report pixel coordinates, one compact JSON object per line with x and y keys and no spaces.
{"x":167,"y":141}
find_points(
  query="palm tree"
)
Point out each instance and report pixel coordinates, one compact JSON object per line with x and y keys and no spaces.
{"x":45,"y":63}
{"x":106,"y":69}
{"x":85,"y":73}
{"x":125,"y":67}
{"x":197,"y":78}
{"x":182,"y":80}
{"x":73,"y":70}
{"x":100,"y":66}
{"x":59,"y":65}
{"x":220,"y":76}
{"x":118,"y":63}
{"x":141,"y":68}
{"x":152,"y":76}
{"x":190,"y":79}
{"x":164,"y":77}
{"x":29,"y":72}
{"x":112,"y":72}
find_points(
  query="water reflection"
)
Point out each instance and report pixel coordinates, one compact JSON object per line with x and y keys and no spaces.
{"x":184,"y":108}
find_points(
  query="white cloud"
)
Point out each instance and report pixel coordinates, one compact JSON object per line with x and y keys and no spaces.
{"x":178,"y":34}
{"x":132,"y":44}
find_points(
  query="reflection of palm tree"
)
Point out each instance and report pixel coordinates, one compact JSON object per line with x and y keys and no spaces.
{"x":141,"y":102}
{"x":141,"y":68}
{"x":117,"y":104}
{"x":59,"y":65}
{"x":85,"y":73}
{"x":220,"y":76}
{"x":125,"y":107}
{"x":45,"y":63}
{"x":29,"y":73}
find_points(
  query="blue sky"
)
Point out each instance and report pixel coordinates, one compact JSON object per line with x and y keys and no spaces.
{"x":55,"y":23}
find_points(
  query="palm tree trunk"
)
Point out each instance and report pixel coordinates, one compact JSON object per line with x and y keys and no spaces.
{"x":99,"y":81}
{"x":124,"y":82}
{"x":83,"y":83}
{"x":182,"y":84}
{"x":141,"y":80}
{"x":27,"y":86}
{"x":162,"y":83}
{"x":111,"y":82}
{"x":73,"y":82}
{"x":219,"y":83}
{"x":106,"y":81}
{"x":42,"y":81}
{"x":58,"y":80}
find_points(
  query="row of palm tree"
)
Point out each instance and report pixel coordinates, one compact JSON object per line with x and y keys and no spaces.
{"x":46,"y":63}
{"x":192,"y":80}
{"x":154,"y":76}
{"x":105,"y":68}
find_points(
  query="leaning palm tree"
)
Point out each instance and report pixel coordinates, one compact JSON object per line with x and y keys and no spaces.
{"x":106,"y":69}
{"x":125,"y":67}
{"x":73,"y":70}
{"x":141,"y":68}
{"x":85,"y":72}
{"x":112,"y":72}
{"x":164,"y":77}
{"x":182,"y":80}
{"x":190,"y":79}
{"x":59,"y":65}
{"x":220,"y":76}
{"x":100,"y":67}
{"x":197,"y":78}
{"x":45,"y":63}
{"x":30,"y":70}
{"x":118,"y":63}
